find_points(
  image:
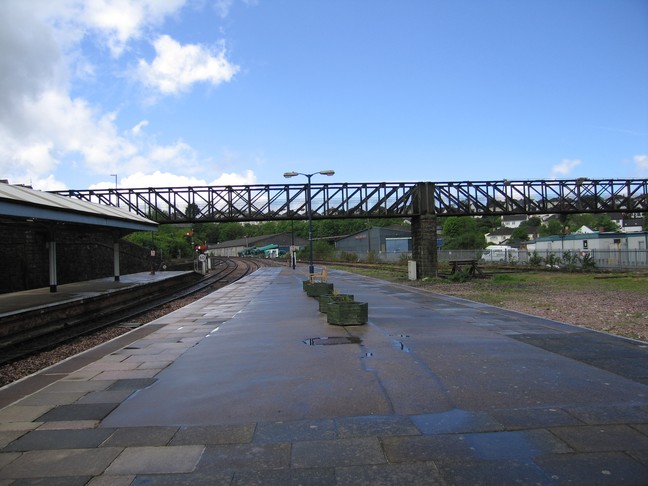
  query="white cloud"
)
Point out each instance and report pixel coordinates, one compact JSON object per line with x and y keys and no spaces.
{"x":46,"y":130}
{"x":564,"y":168}
{"x":168,"y":179}
{"x":159,"y":179}
{"x":119,"y":21}
{"x":49,"y":183}
{"x":137,"y":129}
{"x":223,"y":7}
{"x":641,"y":161}
{"x":177,"y":67}
{"x":233,"y":179}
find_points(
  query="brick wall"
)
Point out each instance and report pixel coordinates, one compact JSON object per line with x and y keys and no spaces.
{"x":81,"y":255}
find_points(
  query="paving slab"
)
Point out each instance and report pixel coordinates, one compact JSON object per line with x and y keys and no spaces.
{"x":105,"y":480}
{"x":298,"y":430}
{"x":501,"y":472}
{"x":184,"y":479}
{"x":78,"y":411}
{"x":389,"y":474}
{"x":152,"y":460}
{"x":375,"y":426}
{"x":597,"y":438}
{"x":236,"y":457}
{"x":409,"y":449}
{"x":456,"y":421}
{"x":611,"y":468}
{"x":215,"y":434}
{"x":60,"y":463}
{"x":340,"y":452}
{"x":60,"y":439}
{"x":513,"y":419}
{"x":140,"y":437}
{"x":281,"y":477}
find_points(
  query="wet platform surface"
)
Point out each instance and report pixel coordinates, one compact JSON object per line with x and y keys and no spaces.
{"x":234,"y":389}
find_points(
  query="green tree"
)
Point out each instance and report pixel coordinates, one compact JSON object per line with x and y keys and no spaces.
{"x":520,"y":233}
{"x":322,"y":250}
{"x":592,"y":221}
{"x":604,"y":221}
{"x":489,"y":223}
{"x":170,"y":241}
{"x":231,"y":231}
{"x":462,"y":233}
{"x":551,"y":227}
{"x":192,"y":210}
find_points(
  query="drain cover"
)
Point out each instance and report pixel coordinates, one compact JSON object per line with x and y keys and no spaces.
{"x":329,"y":341}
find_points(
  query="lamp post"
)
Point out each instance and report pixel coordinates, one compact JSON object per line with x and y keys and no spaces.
{"x":311,"y":268}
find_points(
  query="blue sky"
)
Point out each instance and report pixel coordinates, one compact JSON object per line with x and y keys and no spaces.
{"x":215,"y":92}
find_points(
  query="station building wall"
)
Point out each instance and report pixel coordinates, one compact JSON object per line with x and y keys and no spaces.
{"x":81,"y":255}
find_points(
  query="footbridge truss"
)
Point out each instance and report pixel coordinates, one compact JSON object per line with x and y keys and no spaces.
{"x":264,"y":202}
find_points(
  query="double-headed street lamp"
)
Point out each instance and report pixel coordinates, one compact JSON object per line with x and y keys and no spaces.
{"x":311,"y":268}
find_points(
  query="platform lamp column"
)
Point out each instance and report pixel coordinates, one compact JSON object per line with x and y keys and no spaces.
{"x":311,"y":267}
{"x":116,"y":195}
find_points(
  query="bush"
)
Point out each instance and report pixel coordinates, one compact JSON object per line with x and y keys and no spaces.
{"x":535,"y":260}
{"x":571,"y":260}
{"x":460,"y":277}
{"x":372,"y":257}
{"x":321,"y":251}
{"x":348,"y":257}
{"x":588,"y":262}
{"x":553,"y":261}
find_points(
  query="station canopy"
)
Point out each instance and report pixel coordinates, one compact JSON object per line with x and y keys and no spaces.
{"x":24,"y":203}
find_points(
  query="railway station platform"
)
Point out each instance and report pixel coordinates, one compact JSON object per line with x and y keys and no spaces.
{"x":42,"y":298}
{"x":239,"y":388}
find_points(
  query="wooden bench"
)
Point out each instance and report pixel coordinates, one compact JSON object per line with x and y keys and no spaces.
{"x":470,"y":265}
{"x":322,"y":276}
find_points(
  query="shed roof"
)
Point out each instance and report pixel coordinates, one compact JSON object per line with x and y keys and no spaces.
{"x":593,"y":236}
{"x":20,"y":202}
{"x":253,"y":240}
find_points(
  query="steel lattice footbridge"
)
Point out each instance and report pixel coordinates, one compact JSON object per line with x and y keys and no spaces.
{"x":267,"y":202}
{"x":422,"y":202}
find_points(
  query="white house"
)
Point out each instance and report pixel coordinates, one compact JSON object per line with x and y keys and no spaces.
{"x":629,"y":223}
{"x":504,"y":235}
{"x":583,"y":242}
{"x":513,"y":220}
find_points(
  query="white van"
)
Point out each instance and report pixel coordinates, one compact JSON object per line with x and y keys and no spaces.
{"x":500,"y":253}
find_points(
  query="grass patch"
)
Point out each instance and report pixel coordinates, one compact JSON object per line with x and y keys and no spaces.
{"x":517,"y":281}
{"x":508,"y":279}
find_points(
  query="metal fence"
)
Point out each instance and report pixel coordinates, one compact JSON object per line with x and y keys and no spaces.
{"x":597,"y":259}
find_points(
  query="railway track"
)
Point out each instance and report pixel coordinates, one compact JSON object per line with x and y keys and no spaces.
{"x":60,"y":330}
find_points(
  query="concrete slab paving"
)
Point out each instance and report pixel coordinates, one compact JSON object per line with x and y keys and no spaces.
{"x":59,"y":439}
{"x":55,"y":463}
{"x":239,"y":388}
{"x":156,"y":460}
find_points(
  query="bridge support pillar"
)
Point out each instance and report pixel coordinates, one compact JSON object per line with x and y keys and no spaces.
{"x":424,"y":245}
